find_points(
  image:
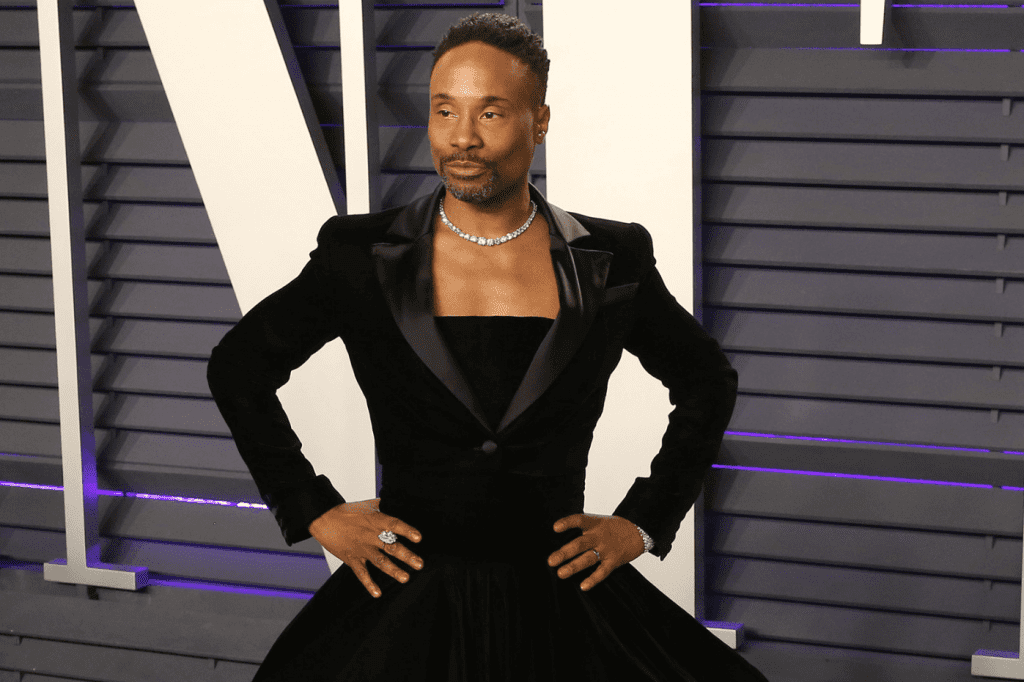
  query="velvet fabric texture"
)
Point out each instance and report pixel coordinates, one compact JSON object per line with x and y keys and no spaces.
{"x":490,"y":608}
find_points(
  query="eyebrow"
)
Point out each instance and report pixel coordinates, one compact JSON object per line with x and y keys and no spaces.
{"x":488,"y":99}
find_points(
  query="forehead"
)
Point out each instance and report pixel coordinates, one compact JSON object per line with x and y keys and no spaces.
{"x":476,"y":69}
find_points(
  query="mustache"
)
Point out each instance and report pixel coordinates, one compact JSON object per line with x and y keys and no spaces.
{"x":462,"y":158}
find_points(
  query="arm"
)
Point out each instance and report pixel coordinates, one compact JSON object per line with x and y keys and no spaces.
{"x":673,"y":347}
{"x":246,"y":368}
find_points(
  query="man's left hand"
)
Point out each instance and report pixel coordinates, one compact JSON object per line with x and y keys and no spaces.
{"x":616,"y":538}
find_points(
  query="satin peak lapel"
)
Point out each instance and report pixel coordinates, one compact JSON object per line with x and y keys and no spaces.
{"x":403,"y":267}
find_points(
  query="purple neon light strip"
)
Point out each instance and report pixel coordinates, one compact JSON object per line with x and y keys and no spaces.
{"x":145,"y":496}
{"x":800,"y":472}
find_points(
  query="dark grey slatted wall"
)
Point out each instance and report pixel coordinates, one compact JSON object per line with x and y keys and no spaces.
{"x":864,"y":270}
{"x":810,"y":174}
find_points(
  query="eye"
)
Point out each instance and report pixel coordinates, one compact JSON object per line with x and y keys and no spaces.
{"x":492,"y":114}
{"x":442,"y":112}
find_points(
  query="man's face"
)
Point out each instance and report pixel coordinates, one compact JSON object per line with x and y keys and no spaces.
{"x":482,"y":113}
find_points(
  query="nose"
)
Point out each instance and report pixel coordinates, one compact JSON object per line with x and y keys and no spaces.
{"x":465,"y":134}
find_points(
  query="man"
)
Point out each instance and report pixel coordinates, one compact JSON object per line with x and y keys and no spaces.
{"x":483,"y":324}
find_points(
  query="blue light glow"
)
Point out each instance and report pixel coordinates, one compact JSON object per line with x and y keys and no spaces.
{"x":800,"y":472}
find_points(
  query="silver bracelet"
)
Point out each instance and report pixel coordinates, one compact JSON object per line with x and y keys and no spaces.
{"x":648,"y":542}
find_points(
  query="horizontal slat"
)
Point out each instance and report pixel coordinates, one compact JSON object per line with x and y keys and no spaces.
{"x":891,"y":549}
{"x":117,"y":373}
{"x":780,"y":26}
{"x":133,"y":629}
{"x":120,"y":335}
{"x":810,"y":663}
{"x":146,"y":413}
{"x":863,"y":72}
{"x":893,"y":423}
{"x":157,"y":520}
{"x":102,"y":663}
{"x":829,"y":586}
{"x":854,"y":336}
{"x":123,"y":66}
{"x":865,"y":294}
{"x":907,"y":252}
{"x":955,"y":465}
{"x":109,"y":142}
{"x":113,"y":220}
{"x":37,"y":442}
{"x":932,"y":166}
{"x":861,"y":118}
{"x":190,"y":561}
{"x":896,"y":382}
{"x":200,"y":264}
{"x":867,"y":502}
{"x":863,"y":628}
{"x":123,"y":84}
{"x":872,"y":209}
{"x":106,"y":27}
{"x":165,"y":479}
{"x":128,"y":299}
{"x":27,"y":180}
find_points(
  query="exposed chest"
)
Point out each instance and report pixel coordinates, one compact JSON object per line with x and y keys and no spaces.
{"x":516,"y":278}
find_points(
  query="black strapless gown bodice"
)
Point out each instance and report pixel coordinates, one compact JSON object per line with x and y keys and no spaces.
{"x":486,"y":607}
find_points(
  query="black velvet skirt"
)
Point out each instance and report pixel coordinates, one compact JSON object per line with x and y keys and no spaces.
{"x":486,"y":607}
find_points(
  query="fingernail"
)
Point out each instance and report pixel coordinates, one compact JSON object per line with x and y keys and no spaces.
{"x":376,"y":593}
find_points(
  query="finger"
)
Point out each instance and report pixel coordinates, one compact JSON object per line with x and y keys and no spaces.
{"x":567,"y":551}
{"x":382,"y":562}
{"x":402,"y":528}
{"x":365,"y":579}
{"x":596,"y":577}
{"x":573,"y":520}
{"x":585,"y":560}
{"x":400,"y":551}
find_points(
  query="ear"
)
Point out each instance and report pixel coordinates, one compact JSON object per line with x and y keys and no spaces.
{"x":542,"y":117}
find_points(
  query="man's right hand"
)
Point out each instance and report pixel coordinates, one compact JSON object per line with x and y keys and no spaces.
{"x":349,"y":532}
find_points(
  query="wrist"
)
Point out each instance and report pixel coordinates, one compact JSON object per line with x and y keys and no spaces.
{"x":647,"y":539}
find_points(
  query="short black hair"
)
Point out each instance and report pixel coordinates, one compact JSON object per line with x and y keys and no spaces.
{"x":504,"y":32}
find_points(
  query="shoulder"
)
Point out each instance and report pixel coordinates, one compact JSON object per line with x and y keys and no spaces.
{"x":360,"y":229}
{"x":344,"y":241}
{"x":629,"y":241}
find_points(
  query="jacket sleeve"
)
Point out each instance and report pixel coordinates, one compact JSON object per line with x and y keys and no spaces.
{"x":246,"y":368}
{"x":673,"y":347}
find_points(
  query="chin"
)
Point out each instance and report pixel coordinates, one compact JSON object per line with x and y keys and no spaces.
{"x":471,"y":193}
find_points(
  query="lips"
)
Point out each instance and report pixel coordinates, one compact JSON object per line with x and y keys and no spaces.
{"x":466,"y":169}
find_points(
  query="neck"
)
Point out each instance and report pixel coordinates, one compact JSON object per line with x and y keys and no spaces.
{"x":493,"y":218}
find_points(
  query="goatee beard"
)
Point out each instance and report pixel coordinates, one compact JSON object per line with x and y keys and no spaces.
{"x":471,"y":194}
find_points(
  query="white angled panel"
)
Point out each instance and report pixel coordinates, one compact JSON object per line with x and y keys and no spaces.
{"x":266,"y":194}
{"x":872,"y":16}
{"x":620,"y":146}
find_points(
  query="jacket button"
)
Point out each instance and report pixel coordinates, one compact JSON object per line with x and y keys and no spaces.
{"x":489,"y":447}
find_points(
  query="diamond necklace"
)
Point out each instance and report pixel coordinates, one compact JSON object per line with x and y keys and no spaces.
{"x":488,"y":242}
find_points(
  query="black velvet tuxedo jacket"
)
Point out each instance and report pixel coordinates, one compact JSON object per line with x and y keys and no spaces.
{"x":369,"y":281}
